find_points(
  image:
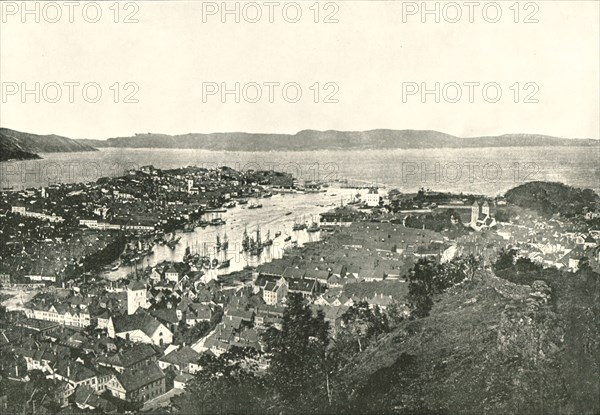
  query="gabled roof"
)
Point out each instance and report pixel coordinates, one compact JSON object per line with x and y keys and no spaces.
{"x":134,"y":379}
{"x":139,"y":353}
{"x":168,"y":315}
{"x":294,"y":273}
{"x":181,"y":357}
{"x":317,"y":274}
{"x":75,"y":372}
{"x":85,"y":395}
{"x":139,"y":321}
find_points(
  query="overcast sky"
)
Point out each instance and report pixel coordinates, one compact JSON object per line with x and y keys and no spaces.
{"x":364,"y":62}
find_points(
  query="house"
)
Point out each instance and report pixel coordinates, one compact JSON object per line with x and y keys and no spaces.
{"x":275,"y":292}
{"x":140,"y":327}
{"x":381,"y":301}
{"x":171,"y":274}
{"x":181,"y":381}
{"x":139,"y":355}
{"x":318,"y":275}
{"x":4,"y":279}
{"x":60,"y":313}
{"x":184,"y":360}
{"x":306,"y":288}
{"x":372,"y":198}
{"x":75,"y":374}
{"x":192,"y":312}
{"x":293,"y":273}
{"x":140,"y":384}
{"x":85,"y":397}
{"x":268,"y":315}
{"x":102,"y":320}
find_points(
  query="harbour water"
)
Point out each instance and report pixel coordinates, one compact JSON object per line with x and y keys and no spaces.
{"x":271,"y":218}
{"x":475,"y":170}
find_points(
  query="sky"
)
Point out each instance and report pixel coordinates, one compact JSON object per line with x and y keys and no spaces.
{"x":177,"y":67}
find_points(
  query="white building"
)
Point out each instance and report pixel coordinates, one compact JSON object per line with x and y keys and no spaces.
{"x":372,"y":198}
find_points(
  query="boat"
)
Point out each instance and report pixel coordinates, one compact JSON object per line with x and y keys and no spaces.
{"x":314,"y":227}
{"x":299,"y":226}
{"x":269,"y":241}
{"x":224,"y":264}
{"x":255,"y":206}
{"x":215,"y":262}
{"x":277,"y":234}
{"x":242,"y":202}
{"x":250,"y":245}
{"x":288,"y":213}
{"x":287,"y":238}
{"x":217,"y":222}
{"x":225,"y":244}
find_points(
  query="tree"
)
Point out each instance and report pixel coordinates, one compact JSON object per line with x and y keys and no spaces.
{"x":428,"y":279}
{"x":299,"y":369}
{"x":226,"y":384}
{"x":506,"y":259}
{"x":364,"y":323}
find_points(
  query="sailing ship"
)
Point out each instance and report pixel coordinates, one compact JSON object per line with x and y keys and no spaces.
{"x":225,"y":244}
{"x":268,"y":241}
{"x":251,"y":245}
{"x":222,"y":246}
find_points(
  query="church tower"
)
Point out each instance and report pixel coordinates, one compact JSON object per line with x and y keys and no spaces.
{"x":136,"y":296}
{"x":485,"y":209}
{"x":475,"y":212}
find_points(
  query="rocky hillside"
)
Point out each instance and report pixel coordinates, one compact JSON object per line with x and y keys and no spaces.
{"x":20,"y":146}
{"x":489,"y":347}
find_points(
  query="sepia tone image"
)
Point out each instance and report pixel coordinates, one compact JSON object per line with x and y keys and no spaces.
{"x":300,"y":207}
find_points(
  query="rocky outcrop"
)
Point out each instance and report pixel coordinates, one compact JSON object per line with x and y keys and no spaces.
{"x":506,"y":288}
{"x":530,"y":330}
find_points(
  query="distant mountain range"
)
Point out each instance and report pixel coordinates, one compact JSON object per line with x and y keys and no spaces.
{"x":15,"y":145}
{"x":19,"y":145}
{"x":331,"y":140}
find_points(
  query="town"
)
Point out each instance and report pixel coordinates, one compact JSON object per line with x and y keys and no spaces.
{"x":72,"y":341}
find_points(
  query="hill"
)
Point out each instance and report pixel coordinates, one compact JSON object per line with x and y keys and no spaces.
{"x":22,"y":146}
{"x":308,"y":140}
{"x":490,"y":346}
{"x":549,"y":198}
